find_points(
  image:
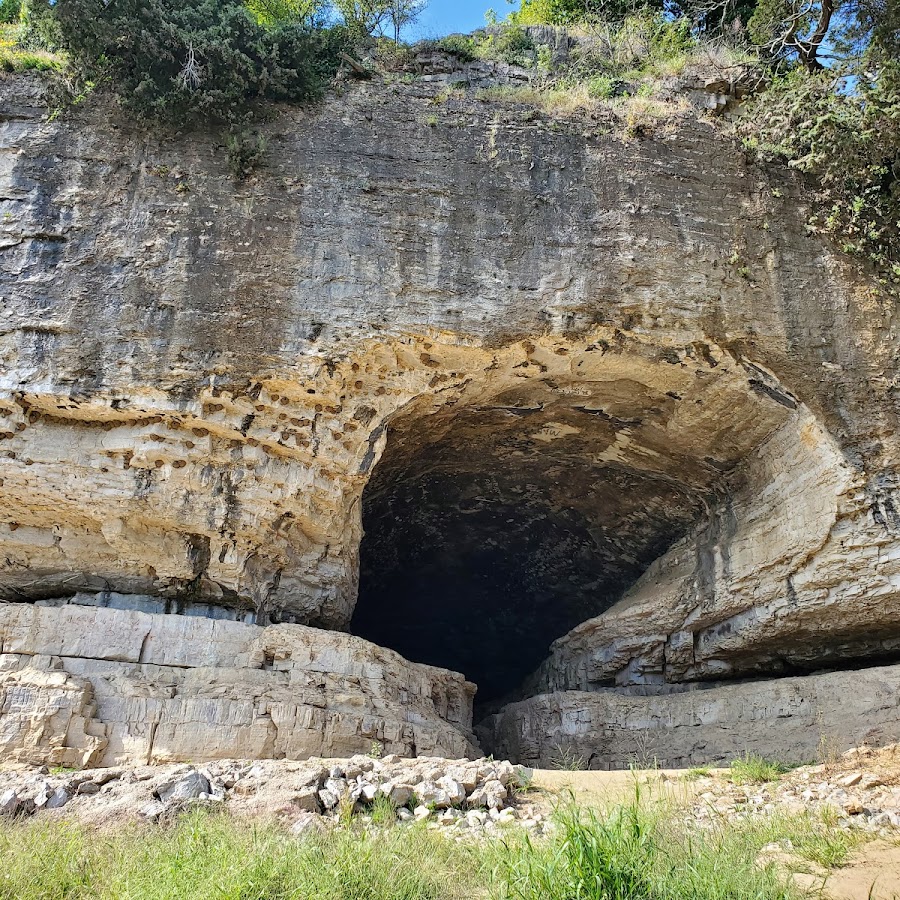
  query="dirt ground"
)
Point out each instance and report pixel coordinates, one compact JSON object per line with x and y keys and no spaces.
{"x":603,"y":788}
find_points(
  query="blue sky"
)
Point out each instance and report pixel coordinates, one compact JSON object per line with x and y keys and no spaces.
{"x":447,"y":16}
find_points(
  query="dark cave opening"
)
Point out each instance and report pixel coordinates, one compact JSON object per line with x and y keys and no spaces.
{"x":492,"y":531}
{"x":454,"y":579}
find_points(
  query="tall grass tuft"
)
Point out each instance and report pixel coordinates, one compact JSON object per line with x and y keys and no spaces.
{"x":593,"y":858}
{"x":643,"y":852}
{"x":756,"y":770}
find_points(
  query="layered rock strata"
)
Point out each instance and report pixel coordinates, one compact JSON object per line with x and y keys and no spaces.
{"x":798,"y":566}
{"x":91,"y":686}
{"x":565,"y":378}
{"x":791,"y":720}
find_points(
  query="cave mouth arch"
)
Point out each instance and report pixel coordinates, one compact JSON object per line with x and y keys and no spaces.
{"x":495,"y":523}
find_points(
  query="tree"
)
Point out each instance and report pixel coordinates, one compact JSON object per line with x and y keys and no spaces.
{"x":274,"y":13}
{"x":403,"y":13}
{"x":794,"y":27}
{"x":568,"y":12}
{"x":836,"y":31}
{"x":364,"y":17}
{"x":848,"y":143}
{"x":720,"y":18}
{"x":377,"y":17}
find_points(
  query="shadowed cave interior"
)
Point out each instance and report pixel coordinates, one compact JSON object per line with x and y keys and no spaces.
{"x":491,"y":531}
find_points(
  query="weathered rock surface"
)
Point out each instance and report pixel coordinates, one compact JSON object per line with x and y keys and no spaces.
{"x":788,"y":719}
{"x":83,"y":686}
{"x":566,"y":380}
{"x":797,"y":567}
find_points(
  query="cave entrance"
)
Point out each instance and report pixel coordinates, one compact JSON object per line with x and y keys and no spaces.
{"x":493,"y":529}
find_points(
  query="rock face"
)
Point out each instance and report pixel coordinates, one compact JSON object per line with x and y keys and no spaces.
{"x":789,"y":719}
{"x":574,"y":387}
{"x":91,"y":686}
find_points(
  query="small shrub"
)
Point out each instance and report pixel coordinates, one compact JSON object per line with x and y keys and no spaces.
{"x":670,"y":39}
{"x":602,"y":87}
{"x":244,"y":150}
{"x":462,"y":46}
{"x":752,"y":769}
{"x":514,"y":45}
{"x":392,"y":57}
{"x":567,"y":759}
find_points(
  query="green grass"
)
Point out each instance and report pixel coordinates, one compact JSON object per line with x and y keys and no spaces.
{"x":643,"y":852}
{"x":383,"y":810}
{"x":756,"y":770}
{"x":210,"y":857}
{"x":816,"y":839}
{"x":697,"y":773}
{"x":639,"y":851}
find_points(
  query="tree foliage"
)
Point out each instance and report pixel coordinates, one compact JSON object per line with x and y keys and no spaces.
{"x":379,"y":17}
{"x":275,"y":13}
{"x":182,"y":59}
{"x":848,"y":142}
{"x":10,"y":11}
{"x":823,"y":34}
{"x":569,"y":12}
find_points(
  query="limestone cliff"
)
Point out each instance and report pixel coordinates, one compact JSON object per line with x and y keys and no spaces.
{"x":562,"y":378}
{"x":83,"y":685}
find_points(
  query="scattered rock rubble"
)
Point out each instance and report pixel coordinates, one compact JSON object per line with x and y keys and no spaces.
{"x":467,"y":797}
{"x":861,"y":787}
{"x":471,"y":796}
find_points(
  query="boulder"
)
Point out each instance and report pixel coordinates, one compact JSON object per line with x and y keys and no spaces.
{"x":185,"y":787}
{"x":307,"y":799}
{"x":307,"y":825}
{"x":9,"y":803}
{"x":59,"y":798}
{"x":492,"y":794}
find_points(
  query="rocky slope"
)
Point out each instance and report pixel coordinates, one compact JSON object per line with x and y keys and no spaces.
{"x":470,"y":795}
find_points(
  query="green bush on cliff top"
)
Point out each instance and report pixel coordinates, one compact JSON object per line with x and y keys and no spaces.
{"x":181,"y":60}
